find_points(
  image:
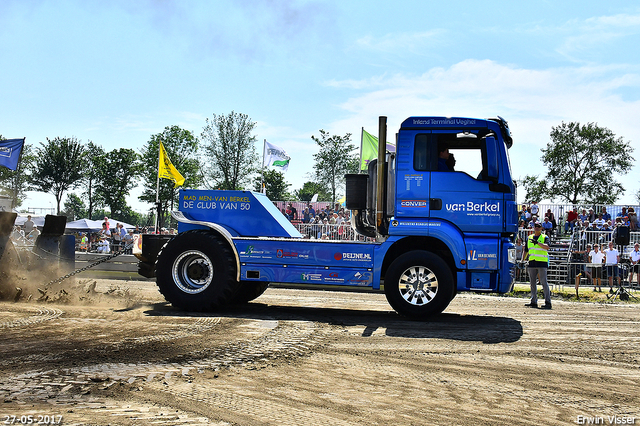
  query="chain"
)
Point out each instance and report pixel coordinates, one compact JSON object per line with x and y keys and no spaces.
{"x":77,"y":271}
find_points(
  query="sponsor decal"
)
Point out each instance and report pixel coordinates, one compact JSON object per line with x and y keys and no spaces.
{"x":365,"y":257}
{"x":362,"y":279}
{"x":444,"y":121}
{"x":470,"y":208}
{"x":282,"y":253}
{"x":250,"y":251}
{"x":414,"y":203}
{"x":334,"y":277}
{"x":474,"y":255}
{"x":311,"y":277}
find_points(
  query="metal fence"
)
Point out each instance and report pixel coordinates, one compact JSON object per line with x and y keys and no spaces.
{"x":322,"y":231}
{"x":565,"y":251}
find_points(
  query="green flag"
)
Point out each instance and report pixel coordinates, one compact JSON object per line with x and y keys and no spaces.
{"x":369,"y":149}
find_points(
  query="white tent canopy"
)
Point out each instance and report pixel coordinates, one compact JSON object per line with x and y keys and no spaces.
{"x":80,"y":225}
{"x":88,"y":225}
{"x":22,"y":218}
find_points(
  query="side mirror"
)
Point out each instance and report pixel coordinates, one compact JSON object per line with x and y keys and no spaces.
{"x":491,"y":166}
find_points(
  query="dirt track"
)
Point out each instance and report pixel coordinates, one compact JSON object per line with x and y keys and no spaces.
{"x":297,"y":357}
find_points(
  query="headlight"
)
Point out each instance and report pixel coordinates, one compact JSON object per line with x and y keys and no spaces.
{"x":512,"y":255}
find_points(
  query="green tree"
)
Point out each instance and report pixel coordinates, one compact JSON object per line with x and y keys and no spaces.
{"x":118,"y":173}
{"x":95,"y":162}
{"x":309,"y":189}
{"x":335,"y":159}
{"x":535,"y":188}
{"x":99,"y":214}
{"x":132,"y":217}
{"x":14,"y":183}
{"x":230,"y":148}
{"x":74,"y":207}
{"x":275,"y":185}
{"x":59,"y":167}
{"x":581,"y":161}
{"x":182,"y":148}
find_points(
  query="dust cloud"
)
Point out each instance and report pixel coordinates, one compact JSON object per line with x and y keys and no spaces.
{"x":27,"y":278}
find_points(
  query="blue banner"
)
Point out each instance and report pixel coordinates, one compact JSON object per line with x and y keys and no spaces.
{"x":10,"y":150}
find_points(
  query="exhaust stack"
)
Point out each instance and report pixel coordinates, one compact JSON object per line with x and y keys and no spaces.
{"x":381,"y":226}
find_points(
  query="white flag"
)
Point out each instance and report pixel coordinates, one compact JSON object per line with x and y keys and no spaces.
{"x":275,"y":156}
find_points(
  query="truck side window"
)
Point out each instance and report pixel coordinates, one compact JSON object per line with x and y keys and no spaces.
{"x":469,"y":159}
{"x":421,"y":153}
{"x":467,"y":150}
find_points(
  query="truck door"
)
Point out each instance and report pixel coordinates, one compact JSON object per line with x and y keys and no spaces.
{"x":466,"y":196}
{"x":413,"y":165}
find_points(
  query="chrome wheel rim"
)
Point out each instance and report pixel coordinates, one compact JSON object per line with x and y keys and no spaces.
{"x":418,"y":285}
{"x":192,"y":271}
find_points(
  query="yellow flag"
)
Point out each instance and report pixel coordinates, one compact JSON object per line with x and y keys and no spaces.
{"x":166,"y":170}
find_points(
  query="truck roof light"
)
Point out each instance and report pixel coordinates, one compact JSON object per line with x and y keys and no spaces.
{"x":466,"y":135}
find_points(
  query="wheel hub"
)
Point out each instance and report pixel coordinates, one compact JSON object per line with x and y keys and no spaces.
{"x":418,"y":285}
{"x":192,"y":271}
{"x":196,"y":271}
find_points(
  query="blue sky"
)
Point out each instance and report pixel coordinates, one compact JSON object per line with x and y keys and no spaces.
{"x":117,"y":72}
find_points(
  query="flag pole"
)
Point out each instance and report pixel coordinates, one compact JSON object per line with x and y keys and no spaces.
{"x":264,"y":150}
{"x":14,"y":202}
{"x":155,"y":222}
{"x":361,"y":147}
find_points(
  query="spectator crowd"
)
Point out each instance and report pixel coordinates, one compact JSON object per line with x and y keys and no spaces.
{"x":584,"y":220}
{"x":320,"y":220}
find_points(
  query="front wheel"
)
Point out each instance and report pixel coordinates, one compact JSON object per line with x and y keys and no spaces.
{"x":196,"y":272}
{"x":419,"y":284}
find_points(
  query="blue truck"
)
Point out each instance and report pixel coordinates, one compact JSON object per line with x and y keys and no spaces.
{"x":433,"y":231}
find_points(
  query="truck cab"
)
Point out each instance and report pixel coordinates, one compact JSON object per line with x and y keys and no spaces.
{"x":476,"y":194}
{"x":465,"y":211}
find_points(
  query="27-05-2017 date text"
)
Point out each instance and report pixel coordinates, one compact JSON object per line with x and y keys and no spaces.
{"x":31,"y":419}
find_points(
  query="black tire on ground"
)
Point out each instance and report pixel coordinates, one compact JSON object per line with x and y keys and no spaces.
{"x":249,"y":291}
{"x":196,"y":272}
{"x":419,"y":284}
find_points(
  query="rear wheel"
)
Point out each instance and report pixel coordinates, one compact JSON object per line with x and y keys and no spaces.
{"x":419,"y":284}
{"x":196,"y":272}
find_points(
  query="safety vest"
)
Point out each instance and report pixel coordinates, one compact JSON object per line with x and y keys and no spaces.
{"x":536,"y":252}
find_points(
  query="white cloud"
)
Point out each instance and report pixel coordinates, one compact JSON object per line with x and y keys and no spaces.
{"x":596,"y":33}
{"x":615,"y":21}
{"x":531,"y":100}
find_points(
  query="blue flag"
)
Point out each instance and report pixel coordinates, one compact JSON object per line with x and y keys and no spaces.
{"x":10,"y":151}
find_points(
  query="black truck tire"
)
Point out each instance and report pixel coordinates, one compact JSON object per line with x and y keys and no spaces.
{"x":249,"y":291}
{"x":419,"y":284}
{"x":196,"y":272}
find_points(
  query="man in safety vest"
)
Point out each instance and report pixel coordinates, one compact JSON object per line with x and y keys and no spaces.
{"x":537,"y":250}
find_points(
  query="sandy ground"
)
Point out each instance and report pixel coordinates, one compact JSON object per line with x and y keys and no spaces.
{"x":296,"y":357}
